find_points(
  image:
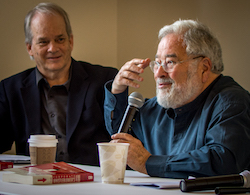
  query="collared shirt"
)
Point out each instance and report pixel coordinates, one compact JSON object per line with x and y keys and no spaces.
{"x":54,"y":108}
{"x":209,"y":136}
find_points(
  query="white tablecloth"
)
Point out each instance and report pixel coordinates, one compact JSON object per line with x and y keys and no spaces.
{"x":95,"y":187}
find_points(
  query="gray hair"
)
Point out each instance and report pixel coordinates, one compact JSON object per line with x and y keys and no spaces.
{"x":198,"y":40}
{"x":49,"y":8}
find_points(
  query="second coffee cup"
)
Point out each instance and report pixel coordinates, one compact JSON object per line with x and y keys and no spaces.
{"x":113,"y":159}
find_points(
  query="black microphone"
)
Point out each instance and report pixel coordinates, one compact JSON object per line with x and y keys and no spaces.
{"x":210,"y":183}
{"x":135,"y":101}
{"x":231,"y":190}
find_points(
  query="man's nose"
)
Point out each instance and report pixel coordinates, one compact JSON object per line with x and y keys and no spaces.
{"x":160,"y":72}
{"x":52,"y":47}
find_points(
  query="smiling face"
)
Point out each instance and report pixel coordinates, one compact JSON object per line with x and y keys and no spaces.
{"x":51,"y":46}
{"x":184,"y":83}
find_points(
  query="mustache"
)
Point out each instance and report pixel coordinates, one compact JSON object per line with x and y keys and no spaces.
{"x":164,"y":80}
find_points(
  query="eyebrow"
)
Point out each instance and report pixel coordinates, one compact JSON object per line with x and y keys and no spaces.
{"x":44,"y":38}
{"x":41,"y":38}
{"x":61,"y":35}
{"x":168,"y":56}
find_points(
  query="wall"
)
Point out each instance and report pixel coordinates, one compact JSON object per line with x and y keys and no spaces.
{"x":138,"y":26}
{"x":111,"y":32}
{"x":94,"y":25}
{"x":230,"y":20}
{"x":139,"y":22}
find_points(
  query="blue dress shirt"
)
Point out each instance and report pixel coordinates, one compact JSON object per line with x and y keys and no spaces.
{"x":209,"y":136}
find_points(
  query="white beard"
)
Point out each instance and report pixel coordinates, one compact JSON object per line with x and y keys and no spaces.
{"x":178,"y":94}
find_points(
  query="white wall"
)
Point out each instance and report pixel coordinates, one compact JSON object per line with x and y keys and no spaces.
{"x":93,"y":22}
{"x":111,"y":32}
{"x":139,"y":22}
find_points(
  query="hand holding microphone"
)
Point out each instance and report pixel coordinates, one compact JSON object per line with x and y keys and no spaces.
{"x":135,"y":101}
{"x":129,"y":73}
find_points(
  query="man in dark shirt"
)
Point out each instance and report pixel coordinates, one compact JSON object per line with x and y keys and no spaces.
{"x":60,"y":96}
{"x":199,"y":122}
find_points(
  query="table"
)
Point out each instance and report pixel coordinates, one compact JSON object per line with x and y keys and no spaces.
{"x":95,"y":187}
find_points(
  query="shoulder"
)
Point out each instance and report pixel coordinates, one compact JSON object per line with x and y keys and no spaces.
{"x":19,"y":77}
{"x":227,"y":89}
{"x":228,"y":94}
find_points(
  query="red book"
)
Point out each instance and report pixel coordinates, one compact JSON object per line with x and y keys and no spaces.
{"x":51,"y":173}
{"x":5,"y":165}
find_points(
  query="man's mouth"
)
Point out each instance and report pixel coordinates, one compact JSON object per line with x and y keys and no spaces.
{"x":53,"y":57}
{"x":161,"y":84}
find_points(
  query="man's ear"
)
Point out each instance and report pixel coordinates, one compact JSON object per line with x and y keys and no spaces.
{"x":28,"y":46}
{"x":206,"y":69}
{"x":71,"y":41}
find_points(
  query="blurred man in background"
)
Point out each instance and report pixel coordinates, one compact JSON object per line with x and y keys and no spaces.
{"x":60,"y":96}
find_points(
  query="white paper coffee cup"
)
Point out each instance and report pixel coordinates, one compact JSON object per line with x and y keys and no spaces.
{"x":42,"y":149}
{"x":113,"y":160}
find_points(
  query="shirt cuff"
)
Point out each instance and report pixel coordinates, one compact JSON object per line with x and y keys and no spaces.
{"x":160,"y":166}
{"x":114,"y":107}
{"x":155,"y":165}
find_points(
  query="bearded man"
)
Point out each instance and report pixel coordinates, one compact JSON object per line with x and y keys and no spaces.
{"x":199,"y":122}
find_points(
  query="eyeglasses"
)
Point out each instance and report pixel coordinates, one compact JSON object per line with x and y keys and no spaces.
{"x":169,"y":64}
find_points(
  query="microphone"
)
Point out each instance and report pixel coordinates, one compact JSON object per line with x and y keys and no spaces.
{"x":231,"y":190}
{"x":210,"y":183}
{"x":135,"y":101}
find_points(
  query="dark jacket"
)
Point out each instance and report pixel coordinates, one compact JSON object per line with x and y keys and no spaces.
{"x":20,"y":111}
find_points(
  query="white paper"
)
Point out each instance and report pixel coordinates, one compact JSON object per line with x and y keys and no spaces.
{"x":16,"y":159}
{"x":159,"y":185}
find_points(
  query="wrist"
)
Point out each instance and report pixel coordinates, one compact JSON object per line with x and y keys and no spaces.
{"x":115,"y":90}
